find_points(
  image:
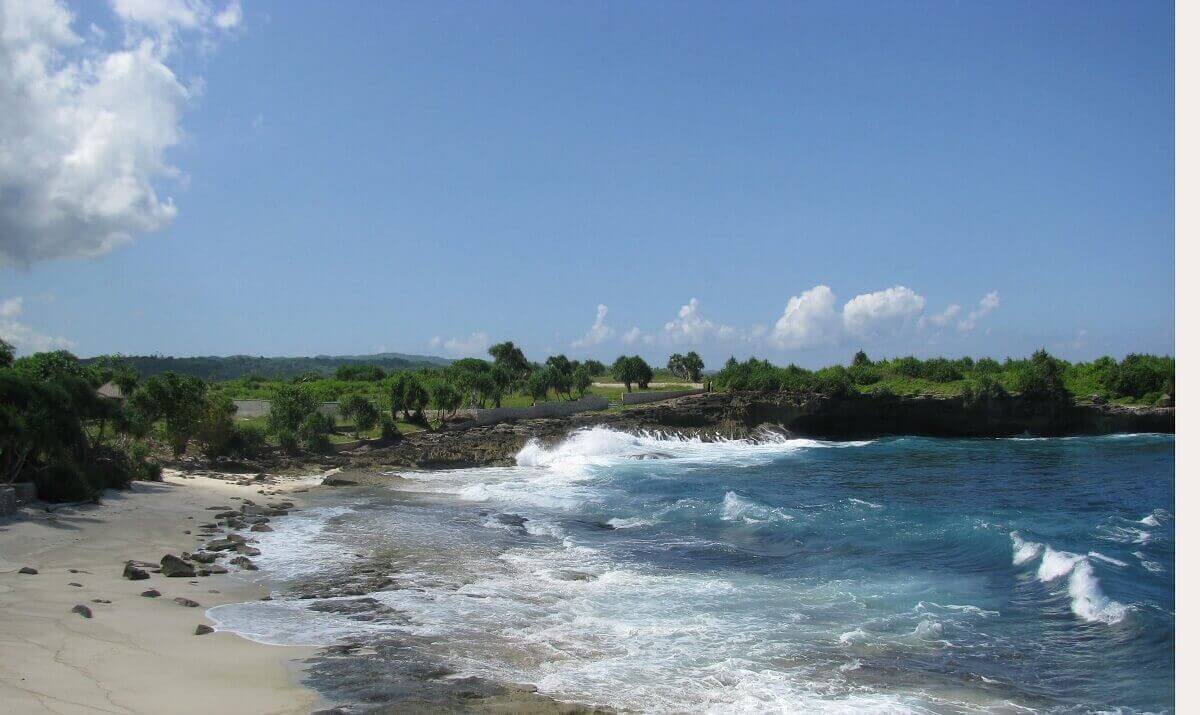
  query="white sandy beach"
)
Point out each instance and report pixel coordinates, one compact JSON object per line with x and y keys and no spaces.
{"x":136,"y":654}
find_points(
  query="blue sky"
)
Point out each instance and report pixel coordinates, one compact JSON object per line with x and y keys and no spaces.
{"x":349,"y":178}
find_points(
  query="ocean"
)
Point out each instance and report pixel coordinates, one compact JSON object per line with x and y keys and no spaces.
{"x":656,"y":574}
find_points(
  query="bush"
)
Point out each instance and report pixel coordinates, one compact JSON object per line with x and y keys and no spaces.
{"x":983,"y":389}
{"x":360,"y":373}
{"x":289,"y":442}
{"x":940,"y":370}
{"x":289,"y":406}
{"x":314,"y":432}
{"x":864,"y":374}
{"x":1041,"y":377}
{"x":387,"y":429}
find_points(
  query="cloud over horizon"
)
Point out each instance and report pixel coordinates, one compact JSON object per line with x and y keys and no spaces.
{"x":86,"y":126}
{"x":21,"y":336}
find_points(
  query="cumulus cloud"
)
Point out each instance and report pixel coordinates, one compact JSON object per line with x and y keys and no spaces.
{"x":84,"y":127}
{"x":598,"y":333}
{"x":635,"y":335}
{"x":882,"y":313}
{"x":987,"y":304}
{"x":809,"y":320}
{"x":942,"y":319}
{"x":691,"y":328}
{"x":21,"y":336}
{"x":474,"y":345}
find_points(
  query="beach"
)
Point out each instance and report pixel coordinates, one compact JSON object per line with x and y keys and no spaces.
{"x":135,"y":654}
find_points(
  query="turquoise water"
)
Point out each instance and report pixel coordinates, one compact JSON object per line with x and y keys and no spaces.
{"x":893,"y":575}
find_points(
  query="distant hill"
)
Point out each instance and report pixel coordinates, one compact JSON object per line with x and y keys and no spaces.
{"x":231,"y":367}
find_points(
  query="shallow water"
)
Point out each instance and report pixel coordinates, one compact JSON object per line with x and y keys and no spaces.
{"x":895,"y":575}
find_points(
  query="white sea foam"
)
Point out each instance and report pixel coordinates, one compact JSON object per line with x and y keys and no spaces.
{"x":1056,"y":564}
{"x":1147,"y":563}
{"x":1088,"y":601}
{"x":1107,"y":559}
{"x":1023,"y":551}
{"x":865,"y":503}
{"x":739,"y":508}
{"x":1156,"y":518}
{"x":630,"y":523}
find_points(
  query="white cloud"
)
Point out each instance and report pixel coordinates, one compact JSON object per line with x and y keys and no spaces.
{"x":987,"y":304}
{"x":691,"y":328}
{"x":942,"y":319}
{"x":599,"y":332}
{"x":21,"y":336}
{"x":635,"y":335}
{"x":84,"y":128}
{"x":810,"y":319}
{"x":474,"y":345}
{"x":882,"y":313}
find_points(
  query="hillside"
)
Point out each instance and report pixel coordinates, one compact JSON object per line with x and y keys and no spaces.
{"x":231,"y":367}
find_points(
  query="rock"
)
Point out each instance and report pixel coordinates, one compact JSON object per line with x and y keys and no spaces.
{"x":248,"y":550}
{"x":189,"y":603}
{"x":152,"y":593}
{"x":133,"y":573}
{"x":76,"y":585}
{"x":222,"y":545}
{"x":83,"y":611}
{"x":261,"y":527}
{"x":203,"y":630}
{"x":244,"y":562}
{"x":201,"y":557}
{"x":175,"y":567}
{"x":228,"y":515}
{"x":213,"y":569}
{"x":28,"y":571}
{"x":101,"y":600}
{"x":338,"y":482}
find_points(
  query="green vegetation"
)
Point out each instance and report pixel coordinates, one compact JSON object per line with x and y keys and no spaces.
{"x":215,"y":369}
{"x":1138,"y":379}
{"x":57,"y":431}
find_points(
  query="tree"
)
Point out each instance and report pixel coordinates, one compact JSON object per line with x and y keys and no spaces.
{"x":360,"y":373}
{"x":216,"y":431}
{"x":1041,"y":376}
{"x":861,"y":359}
{"x":315,"y":430}
{"x":360,"y":411}
{"x":177,"y":400}
{"x":6,"y":354}
{"x":416,"y":397}
{"x":446,"y":398}
{"x":117,"y":370}
{"x":397,"y":389}
{"x":644,"y":373}
{"x":581,"y":380}
{"x":625,"y":371}
{"x":510,"y":357}
{"x":290,"y":405}
{"x":688,"y":367}
{"x":539,"y":384}
{"x":595,"y":368}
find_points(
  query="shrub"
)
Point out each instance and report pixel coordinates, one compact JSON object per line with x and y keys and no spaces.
{"x":387,"y":429}
{"x":290,"y":405}
{"x":940,"y":370}
{"x":864,"y":373}
{"x":314,"y":432}
{"x":983,"y":389}
{"x":360,"y":373}
{"x":1041,"y":377}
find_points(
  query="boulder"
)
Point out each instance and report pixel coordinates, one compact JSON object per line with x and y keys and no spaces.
{"x":75,"y":584}
{"x":83,"y":611}
{"x":189,"y":603}
{"x":203,"y":630}
{"x":228,"y":515}
{"x":175,"y":567}
{"x":201,"y":557}
{"x":222,"y":545}
{"x":261,"y":527}
{"x":133,"y":573}
{"x":152,"y":593}
{"x":28,"y":571}
{"x":248,"y":550}
{"x":213,"y":569}
{"x":244,"y":562}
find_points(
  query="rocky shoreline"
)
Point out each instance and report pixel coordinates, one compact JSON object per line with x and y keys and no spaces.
{"x":741,"y":415}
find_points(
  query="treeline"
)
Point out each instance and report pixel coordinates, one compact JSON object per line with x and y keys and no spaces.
{"x":232,"y":367}
{"x":1144,"y":379}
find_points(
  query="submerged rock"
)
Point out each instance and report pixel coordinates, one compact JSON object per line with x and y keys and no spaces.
{"x":187,"y":602}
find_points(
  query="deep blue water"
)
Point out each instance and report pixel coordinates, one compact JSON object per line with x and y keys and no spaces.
{"x":900,"y":574}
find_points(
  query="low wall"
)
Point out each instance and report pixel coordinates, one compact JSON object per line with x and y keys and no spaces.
{"x":637,"y":398}
{"x":542,"y":409}
{"x":262,"y":408}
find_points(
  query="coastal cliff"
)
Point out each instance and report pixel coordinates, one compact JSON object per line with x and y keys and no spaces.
{"x":732,"y":415}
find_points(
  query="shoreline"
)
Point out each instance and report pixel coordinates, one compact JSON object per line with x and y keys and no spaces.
{"x":134,"y":654}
